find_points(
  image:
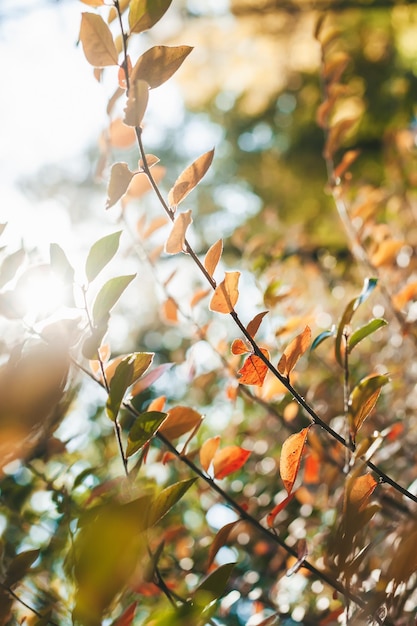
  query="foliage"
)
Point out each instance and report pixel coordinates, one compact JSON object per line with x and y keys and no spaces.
{"x":194,"y":484}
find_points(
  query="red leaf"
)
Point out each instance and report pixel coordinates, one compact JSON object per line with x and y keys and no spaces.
{"x":126,"y":619}
{"x":254,"y":370}
{"x":312,"y":469}
{"x":229,"y":460}
{"x":290,"y":459}
{"x":277,"y":509}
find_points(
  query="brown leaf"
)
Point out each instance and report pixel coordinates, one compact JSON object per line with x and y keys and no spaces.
{"x":136,"y":103}
{"x":291,"y":453}
{"x":254,"y":370}
{"x":120,"y":178}
{"x":190,"y":178}
{"x":277,"y":509}
{"x":176,"y":239}
{"x":97,"y":41}
{"x":180,"y":420}
{"x":226,"y":294}
{"x":302,"y":552}
{"x":254,"y":324}
{"x":220,"y":540}
{"x":159,"y":63}
{"x":336,"y":136}
{"x":228,"y":460}
{"x":213,"y":256}
{"x":295,"y":349}
{"x":207,"y":452}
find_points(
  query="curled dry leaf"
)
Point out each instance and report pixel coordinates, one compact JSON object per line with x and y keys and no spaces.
{"x":292,"y":353}
{"x":213,"y":256}
{"x":176,"y":239}
{"x":97,"y":41}
{"x":228,"y":460}
{"x":254,"y":370}
{"x":291,"y":453}
{"x":190,"y":178}
{"x":136,"y":103}
{"x":226,"y":294}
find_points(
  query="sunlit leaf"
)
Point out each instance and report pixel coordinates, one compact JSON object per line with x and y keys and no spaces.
{"x":140,"y":185}
{"x":229,"y":460}
{"x":207,"y":452}
{"x":176,"y":239}
{"x":168,"y":497}
{"x":170,"y":310}
{"x":120,"y":177}
{"x":348,"y":159}
{"x":94,"y":3}
{"x":359,"y":490}
{"x":143,"y":14}
{"x":137,"y":102}
{"x":214,"y":585}
{"x":159,"y":63}
{"x":254,"y":370}
{"x":141,"y":362}
{"x":92,"y":343}
{"x":10,"y":265}
{"x":120,"y":135}
{"x":146,"y":381}
{"x":97,"y":41}
{"x":220,"y":540}
{"x":386,"y":252}
{"x":405,"y":295}
{"x":119,"y":384}
{"x":240,"y":347}
{"x":254,"y":324}
{"x":143,"y":429}
{"x":150,"y":159}
{"x":292,"y":353}
{"x":180,"y":420}
{"x":365,"y":331}
{"x":198,"y":296}
{"x":291,"y":453}
{"x":101,"y":253}
{"x":226,"y":294}
{"x":20,"y":566}
{"x":363,"y":399}
{"x":213,"y":256}
{"x":190,"y":178}
{"x":127,"y":617}
{"x":270,"y":519}
{"x":60,"y":264}
{"x":108,"y":296}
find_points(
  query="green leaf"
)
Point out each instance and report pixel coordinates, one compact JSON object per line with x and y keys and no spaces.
{"x":368,"y":287}
{"x":158,"y":64}
{"x":322,"y":337}
{"x":19,"y":566}
{"x":101,"y":253}
{"x":166,"y":500}
{"x":141,"y":362}
{"x":214,"y":585}
{"x":120,"y":382}
{"x":143,"y":14}
{"x":10,"y":265}
{"x":120,"y":177}
{"x":60,"y":264}
{"x":365,"y":331}
{"x":143,"y":430}
{"x":108,"y":296}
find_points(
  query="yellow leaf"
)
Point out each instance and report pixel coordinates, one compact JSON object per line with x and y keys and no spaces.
{"x":136,"y":103}
{"x":97,"y":41}
{"x":176,"y":239}
{"x":294,"y":351}
{"x":291,"y":453}
{"x":207,"y":452}
{"x":159,"y":63}
{"x":226,"y":294}
{"x":213,"y":256}
{"x":190,"y":178}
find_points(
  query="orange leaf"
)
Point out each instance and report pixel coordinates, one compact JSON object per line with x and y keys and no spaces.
{"x":157,"y":404}
{"x":239,"y":347}
{"x":312,"y":469}
{"x":140,"y":183}
{"x":179,"y":421}
{"x":176,"y":239}
{"x":170,"y":310}
{"x":254,"y":370}
{"x":219,"y":540}
{"x":126,"y":619}
{"x":120,"y":135}
{"x":207,"y":452}
{"x":199,"y":295}
{"x":403,"y":297}
{"x":290,"y":459}
{"x":156,"y":223}
{"x":254,"y":324}
{"x":228,"y":460}
{"x":213,"y":256}
{"x":226,"y":294}
{"x":277,"y":509}
{"x":359,"y":491}
{"x":190,"y":178}
{"x":120,"y":178}
{"x":294,"y":351}
{"x":386,"y":252}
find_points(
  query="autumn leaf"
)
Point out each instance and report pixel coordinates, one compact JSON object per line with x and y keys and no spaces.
{"x":127,"y":617}
{"x":136,"y":103}
{"x":190,"y":178}
{"x":254,"y":324}
{"x":143,"y":14}
{"x":213,"y":256}
{"x":120,"y":177}
{"x":270,"y":519}
{"x":291,"y":453}
{"x":363,"y":398}
{"x":228,"y":460}
{"x":97,"y":41}
{"x":294,"y":351}
{"x":254,"y":370}
{"x":120,"y":135}
{"x":359,"y":491}
{"x":180,"y":420}
{"x":170,"y":310}
{"x":158,"y":64}
{"x":220,"y":540}
{"x":226,"y":294}
{"x":240,"y":347}
{"x":208,"y":450}
{"x":176,"y":239}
